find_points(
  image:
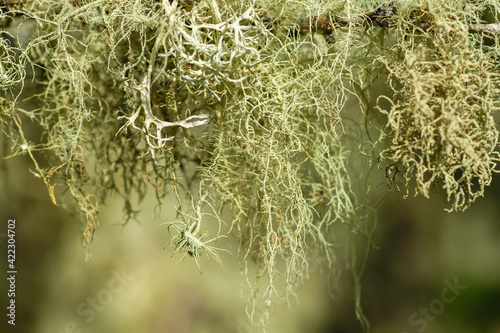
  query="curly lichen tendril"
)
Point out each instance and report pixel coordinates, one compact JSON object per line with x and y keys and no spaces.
{"x":153,"y":127}
{"x":187,"y":239}
{"x":443,"y":131}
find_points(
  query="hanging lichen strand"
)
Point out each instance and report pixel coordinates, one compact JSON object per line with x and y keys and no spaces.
{"x":238,"y":109}
{"x":440,"y":129}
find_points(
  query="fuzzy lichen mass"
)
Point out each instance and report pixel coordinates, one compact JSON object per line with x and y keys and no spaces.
{"x":240,"y":106}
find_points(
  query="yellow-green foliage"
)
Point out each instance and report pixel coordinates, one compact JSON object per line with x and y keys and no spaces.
{"x":232,"y":107}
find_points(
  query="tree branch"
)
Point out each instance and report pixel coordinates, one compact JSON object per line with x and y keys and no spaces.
{"x":380,"y":17}
{"x":478,"y":28}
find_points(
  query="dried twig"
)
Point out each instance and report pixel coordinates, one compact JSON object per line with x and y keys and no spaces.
{"x":478,"y":28}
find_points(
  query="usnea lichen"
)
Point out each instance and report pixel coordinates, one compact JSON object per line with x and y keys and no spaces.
{"x":238,"y":107}
{"x":441,"y":127}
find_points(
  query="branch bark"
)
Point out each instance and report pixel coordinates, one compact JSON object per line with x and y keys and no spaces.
{"x":381,"y":17}
{"x":478,"y":28}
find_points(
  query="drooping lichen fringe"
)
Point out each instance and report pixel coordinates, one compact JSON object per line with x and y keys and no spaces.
{"x":248,"y":111}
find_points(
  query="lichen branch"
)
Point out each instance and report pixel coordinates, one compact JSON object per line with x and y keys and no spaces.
{"x":153,"y":127}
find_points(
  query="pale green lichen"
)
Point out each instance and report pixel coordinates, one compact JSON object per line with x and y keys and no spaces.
{"x":440,"y":127}
{"x":240,"y":112}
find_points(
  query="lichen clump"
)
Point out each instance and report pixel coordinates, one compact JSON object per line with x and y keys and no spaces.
{"x":238,"y":109}
{"x":440,"y":128}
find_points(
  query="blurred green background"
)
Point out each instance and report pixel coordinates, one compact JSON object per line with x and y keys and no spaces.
{"x":132,"y":284}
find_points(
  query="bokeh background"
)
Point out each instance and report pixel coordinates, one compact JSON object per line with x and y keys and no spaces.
{"x":128,"y":282}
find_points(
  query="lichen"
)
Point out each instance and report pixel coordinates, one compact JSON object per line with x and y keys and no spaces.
{"x":440,"y":128}
{"x":238,"y":108}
